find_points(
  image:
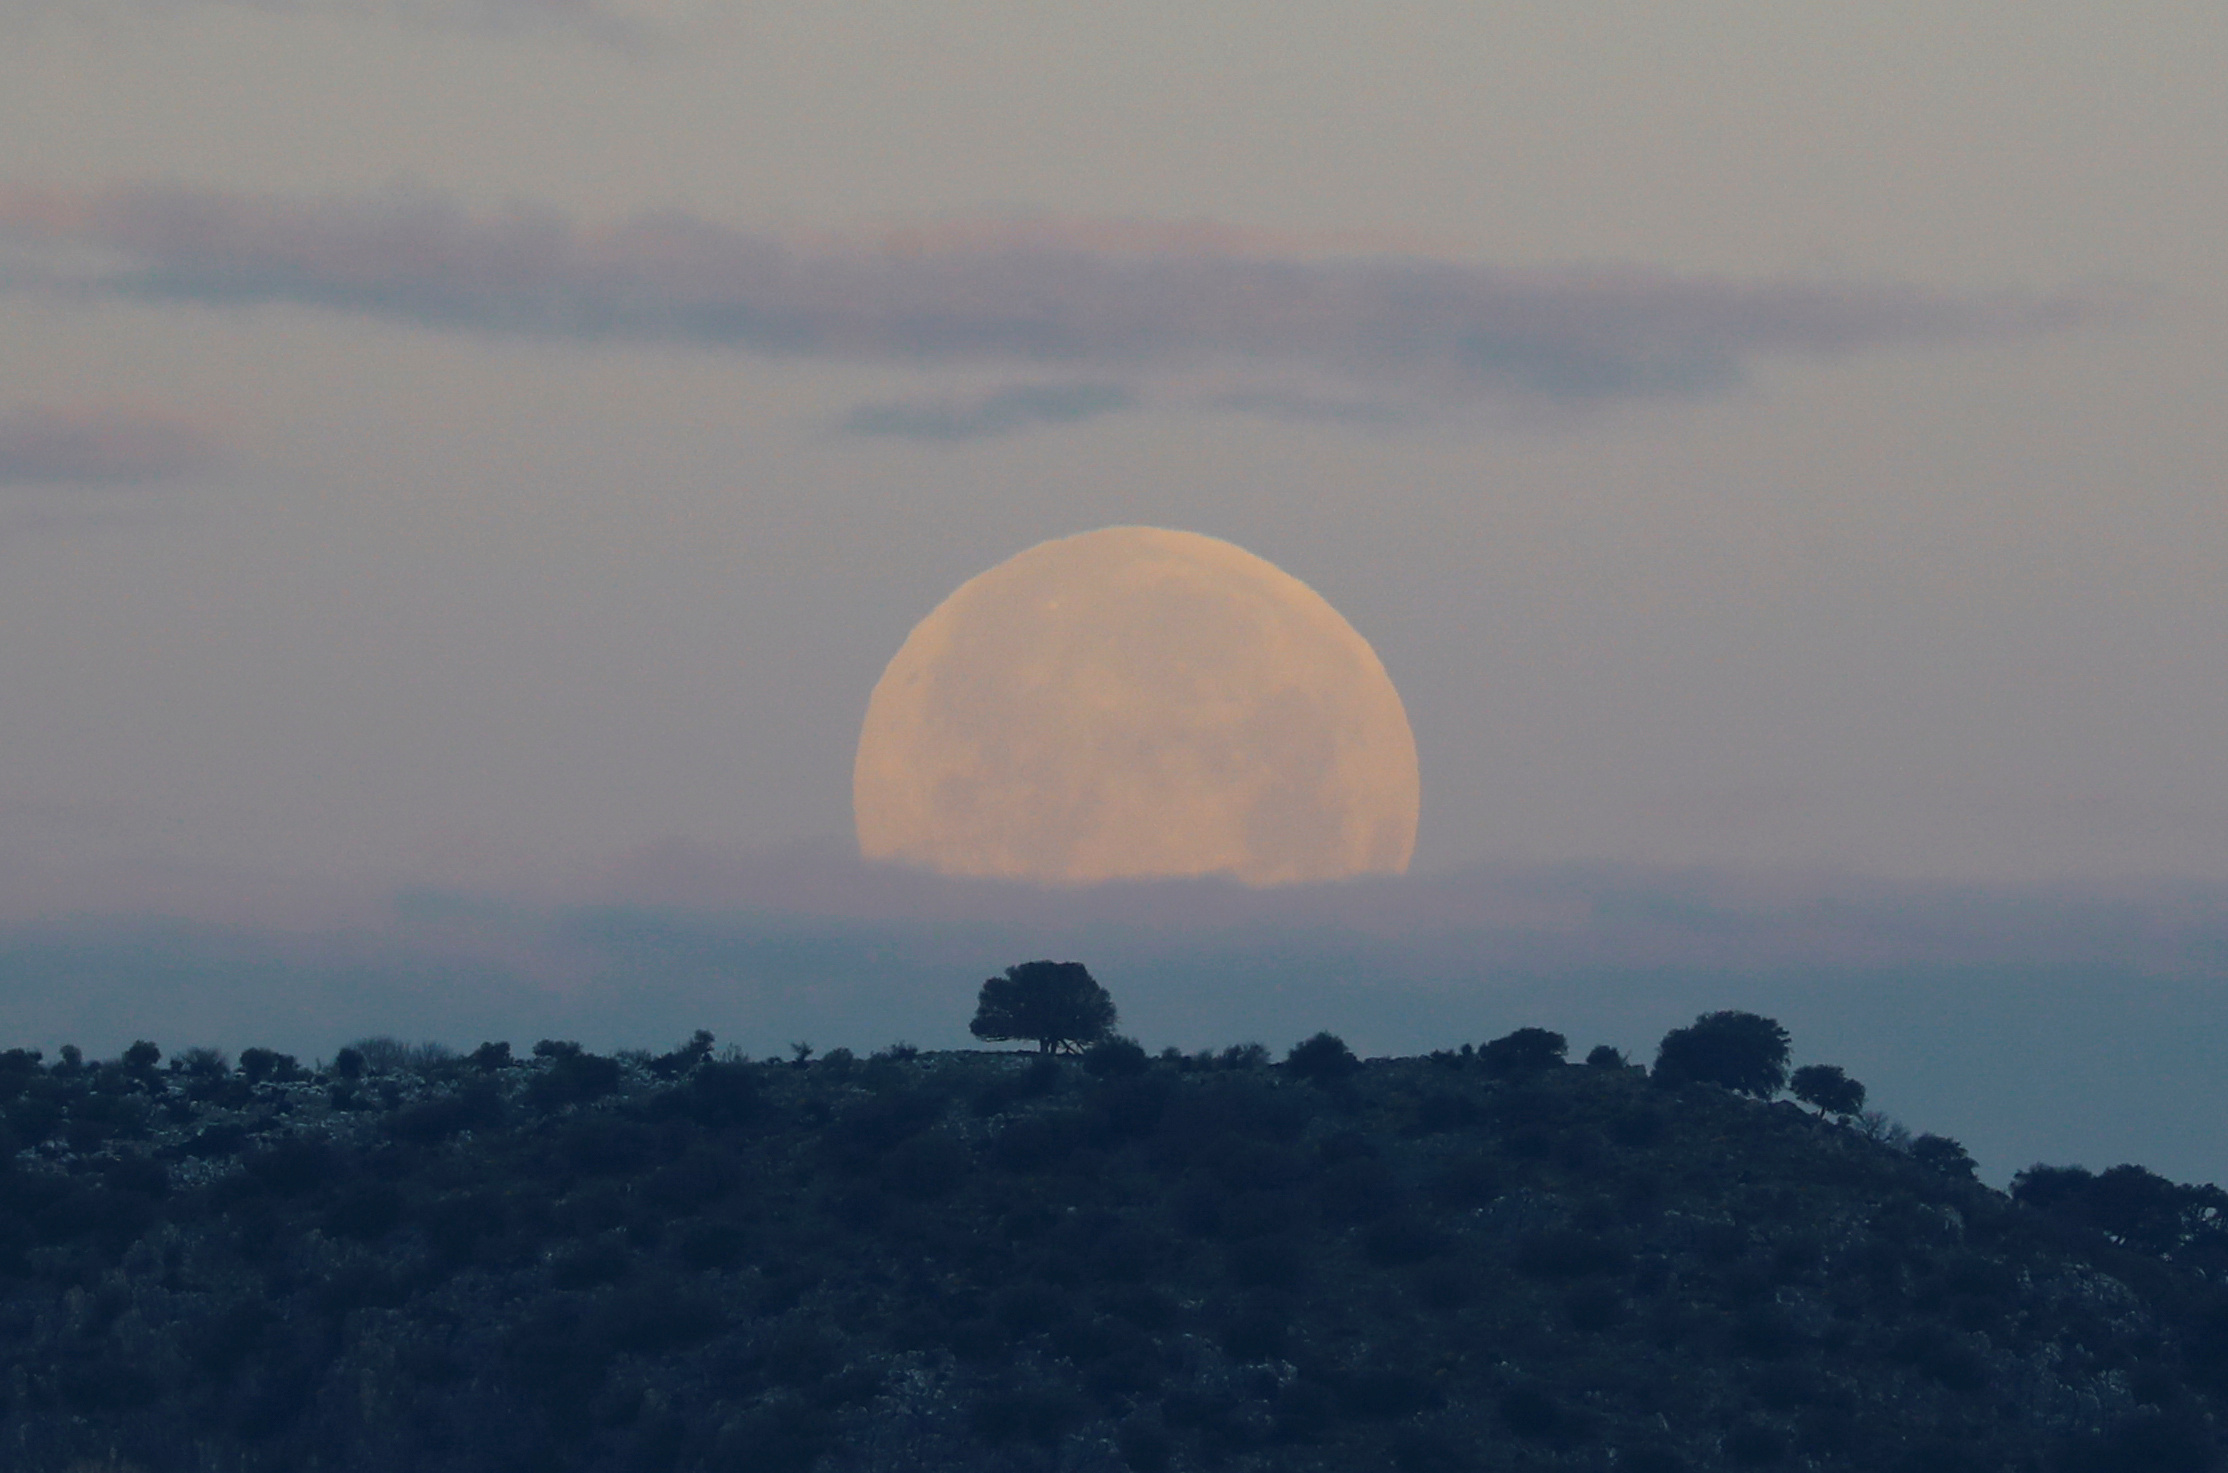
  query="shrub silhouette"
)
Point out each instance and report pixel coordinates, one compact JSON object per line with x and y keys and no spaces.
{"x":1739,"y":1051}
{"x":573,"y":1077}
{"x":258,"y":1065}
{"x":1944,"y":1155}
{"x":1110,"y":1057}
{"x":1522,"y":1052}
{"x":1602,"y":1056}
{"x":1056,"y":1005}
{"x":2135,"y":1208}
{"x":1826,"y":1088}
{"x":1323,"y":1059}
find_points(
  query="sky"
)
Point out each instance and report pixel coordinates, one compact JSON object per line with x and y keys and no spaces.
{"x":467,"y":446}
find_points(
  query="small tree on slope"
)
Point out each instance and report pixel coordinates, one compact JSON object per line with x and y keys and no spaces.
{"x":1057,"y":1005}
{"x":1827,"y":1089}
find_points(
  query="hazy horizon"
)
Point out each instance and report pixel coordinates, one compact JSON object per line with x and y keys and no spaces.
{"x":2034,"y":1023}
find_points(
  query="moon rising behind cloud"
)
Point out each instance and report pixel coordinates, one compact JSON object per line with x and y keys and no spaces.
{"x":1136,"y":703}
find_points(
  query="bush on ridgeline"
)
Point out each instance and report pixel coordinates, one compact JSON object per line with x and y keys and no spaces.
{"x":1602,"y":1056}
{"x":1323,"y":1059}
{"x":268,"y":1066}
{"x":684,"y":1058}
{"x":1827,"y":1089}
{"x":1058,"y":1006}
{"x":1243,"y":1056}
{"x":489,"y":1057}
{"x":2132,"y":1206}
{"x":382,"y":1054}
{"x":573,"y":1077}
{"x":1523,"y":1052}
{"x":1738,"y":1051}
{"x":1944,"y":1155}
{"x":1113,"y":1057}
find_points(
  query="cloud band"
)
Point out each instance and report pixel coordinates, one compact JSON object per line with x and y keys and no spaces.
{"x":1045,"y":297}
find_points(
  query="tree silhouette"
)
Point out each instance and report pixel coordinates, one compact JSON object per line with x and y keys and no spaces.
{"x":1325,"y":1059}
{"x":1828,"y":1089}
{"x":1057,"y":1004}
{"x":1115,"y":1057}
{"x":1945,"y":1155}
{"x":1523,"y":1051}
{"x":1739,"y":1051}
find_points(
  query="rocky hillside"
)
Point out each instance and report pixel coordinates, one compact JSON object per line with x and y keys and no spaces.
{"x":997,"y":1261}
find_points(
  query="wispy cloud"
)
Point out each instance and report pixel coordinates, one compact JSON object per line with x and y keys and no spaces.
{"x":98,"y":445}
{"x":1135,"y":303}
{"x":1004,"y":412}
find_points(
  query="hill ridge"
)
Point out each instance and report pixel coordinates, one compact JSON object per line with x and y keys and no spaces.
{"x":1006,"y":1261}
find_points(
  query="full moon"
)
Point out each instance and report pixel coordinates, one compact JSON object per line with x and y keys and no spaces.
{"x":1137,"y":703}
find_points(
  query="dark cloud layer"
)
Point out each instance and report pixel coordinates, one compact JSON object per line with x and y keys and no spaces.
{"x":98,"y":446}
{"x":1111,"y":299}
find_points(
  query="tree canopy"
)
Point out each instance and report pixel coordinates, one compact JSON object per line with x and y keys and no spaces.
{"x":1827,"y":1089}
{"x":1945,"y":1155}
{"x":1738,"y":1051}
{"x":1523,"y":1051}
{"x":1057,"y":1005}
{"x":1325,"y":1059}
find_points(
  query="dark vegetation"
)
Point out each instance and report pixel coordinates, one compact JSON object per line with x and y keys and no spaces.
{"x":1487,"y":1258}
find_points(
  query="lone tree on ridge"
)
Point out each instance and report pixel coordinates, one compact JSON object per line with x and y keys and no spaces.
{"x":1828,"y":1089}
{"x":1738,"y":1051}
{"x":1058,"y":1005}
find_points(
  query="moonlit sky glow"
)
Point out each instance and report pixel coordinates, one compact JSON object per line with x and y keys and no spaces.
{"x":493,"y":446}
{"x":435,"y":437}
